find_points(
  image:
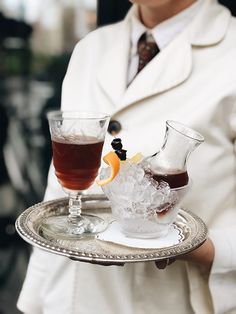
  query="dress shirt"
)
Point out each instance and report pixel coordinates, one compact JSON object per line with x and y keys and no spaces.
{"x":162,"y":34}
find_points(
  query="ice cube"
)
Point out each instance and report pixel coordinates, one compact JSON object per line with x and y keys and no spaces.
{"x":135,"y":192}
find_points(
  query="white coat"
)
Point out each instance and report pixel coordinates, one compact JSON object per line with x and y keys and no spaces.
{"x":192,"y":80}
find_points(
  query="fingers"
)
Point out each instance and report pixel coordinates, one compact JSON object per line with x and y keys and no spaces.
{"x":162,"y":264}
{"x":98,"y":263}
{"x":108,"y":264}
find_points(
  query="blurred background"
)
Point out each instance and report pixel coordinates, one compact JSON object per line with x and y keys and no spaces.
{"x":36,"y":41}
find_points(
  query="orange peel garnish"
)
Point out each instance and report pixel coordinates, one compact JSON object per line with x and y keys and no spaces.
{"x":114,"y":162}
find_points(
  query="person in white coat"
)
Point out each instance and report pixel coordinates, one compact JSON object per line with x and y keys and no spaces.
{"x":192,"y":80}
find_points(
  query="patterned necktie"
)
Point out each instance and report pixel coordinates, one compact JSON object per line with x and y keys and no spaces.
{"x":147,"y":50}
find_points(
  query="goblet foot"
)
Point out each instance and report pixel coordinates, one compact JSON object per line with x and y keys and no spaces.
{"x":62,"y":227}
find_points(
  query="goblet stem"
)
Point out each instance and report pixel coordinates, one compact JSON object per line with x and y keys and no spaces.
{"x":75,"y":225}
{"x":75,"y":205}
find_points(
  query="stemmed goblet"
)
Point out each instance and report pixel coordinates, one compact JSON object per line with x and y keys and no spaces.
{"x":77,"y":142}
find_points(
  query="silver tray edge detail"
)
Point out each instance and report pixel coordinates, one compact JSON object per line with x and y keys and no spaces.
{"x":36,"y":240}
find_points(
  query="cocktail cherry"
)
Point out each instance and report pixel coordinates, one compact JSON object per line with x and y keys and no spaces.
{"x":117,"y":146}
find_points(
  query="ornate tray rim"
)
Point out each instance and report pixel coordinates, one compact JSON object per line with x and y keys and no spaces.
{"x":37,"y":240}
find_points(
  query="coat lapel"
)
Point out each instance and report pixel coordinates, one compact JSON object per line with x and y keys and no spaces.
{"x":170,"y":68}
{"x":210,"y":25}
{"x":112,"y":72}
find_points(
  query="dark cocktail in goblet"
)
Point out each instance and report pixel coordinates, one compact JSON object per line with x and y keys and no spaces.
{"x":77,"y":142}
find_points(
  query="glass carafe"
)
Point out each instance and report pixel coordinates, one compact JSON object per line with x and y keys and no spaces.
{"x":170,"y":163}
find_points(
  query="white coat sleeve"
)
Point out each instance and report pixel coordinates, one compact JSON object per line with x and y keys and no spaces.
{"x":30,"y":299}
{"x":222,"y":280}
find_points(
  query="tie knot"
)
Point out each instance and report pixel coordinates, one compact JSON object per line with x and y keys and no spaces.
{"x":147,"y":50}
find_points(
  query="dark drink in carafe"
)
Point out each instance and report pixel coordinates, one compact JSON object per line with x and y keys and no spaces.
{"x":175,"y":178}
{"x":77,"y":161}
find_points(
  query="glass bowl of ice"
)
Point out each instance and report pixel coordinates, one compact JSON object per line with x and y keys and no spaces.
{"x":142,"y":206}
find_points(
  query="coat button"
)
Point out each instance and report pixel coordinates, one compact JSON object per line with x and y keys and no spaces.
{"x":114,"y":127}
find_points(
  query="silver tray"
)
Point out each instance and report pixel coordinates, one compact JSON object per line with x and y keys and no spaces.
{"x":89,"y":249}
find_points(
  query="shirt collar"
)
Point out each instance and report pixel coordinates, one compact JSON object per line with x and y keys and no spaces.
{"x":164,"y":32}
